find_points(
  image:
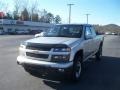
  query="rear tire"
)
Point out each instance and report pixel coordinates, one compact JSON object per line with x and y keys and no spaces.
{"x":98,"y":55}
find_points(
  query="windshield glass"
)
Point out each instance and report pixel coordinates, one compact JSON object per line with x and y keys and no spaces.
{"x":72,"y":31}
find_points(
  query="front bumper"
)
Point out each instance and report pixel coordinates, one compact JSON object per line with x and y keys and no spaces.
{"x":22,"y":60}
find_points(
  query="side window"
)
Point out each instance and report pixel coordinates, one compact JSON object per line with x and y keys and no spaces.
{"x":93,"y":31}
{"x":88,"y":31}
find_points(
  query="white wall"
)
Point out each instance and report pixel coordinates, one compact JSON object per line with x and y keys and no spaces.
{"x":23,"y":25}
{"x":13,"y":27}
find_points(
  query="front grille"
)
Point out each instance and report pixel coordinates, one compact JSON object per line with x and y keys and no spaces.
{"x":41,"y":47}
{"x":44,"y":56}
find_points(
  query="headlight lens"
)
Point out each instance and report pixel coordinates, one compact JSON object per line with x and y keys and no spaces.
{"x":22,"y":53}
{"x":61,"y":49}
{"x":23,"y":45}
{"x":21,"y":49}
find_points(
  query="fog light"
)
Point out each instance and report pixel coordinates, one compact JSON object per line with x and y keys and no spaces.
{"x":61,"y":70}
{"x":60,"y":57}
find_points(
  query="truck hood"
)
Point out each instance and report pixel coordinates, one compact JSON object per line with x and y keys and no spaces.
{"x":53,"y":40}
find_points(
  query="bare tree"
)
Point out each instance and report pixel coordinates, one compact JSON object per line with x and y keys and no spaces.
{"x":17,"y":9}
{"x":25,"y":4}
{"x":17,"y":5}
{"x":43,"y":14}
{"x":33,"y":8}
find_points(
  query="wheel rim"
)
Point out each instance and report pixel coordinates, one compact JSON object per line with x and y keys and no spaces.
{"x":78,"y":69}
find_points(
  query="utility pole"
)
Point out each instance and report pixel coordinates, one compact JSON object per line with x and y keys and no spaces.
{"x":87,"y":17}
{"x":70,"y":12}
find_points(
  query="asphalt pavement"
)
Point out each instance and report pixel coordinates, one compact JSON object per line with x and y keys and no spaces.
{"x":102,"y":75}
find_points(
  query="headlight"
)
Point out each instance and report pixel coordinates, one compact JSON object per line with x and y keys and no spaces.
{"x":22,"y":53}
{"x":21,"y":49}
{"x":23,"y":45}
{"x":61,"y":49}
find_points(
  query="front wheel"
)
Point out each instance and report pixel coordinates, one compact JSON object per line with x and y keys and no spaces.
{"x":77,"y":68}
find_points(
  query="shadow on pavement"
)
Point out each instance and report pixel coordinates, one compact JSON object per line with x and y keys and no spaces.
{"x":102,"y":75}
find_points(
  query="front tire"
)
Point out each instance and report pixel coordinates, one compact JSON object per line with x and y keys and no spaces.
{"x":77,"y":68}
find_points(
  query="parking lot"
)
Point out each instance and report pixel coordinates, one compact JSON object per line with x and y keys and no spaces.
{"x":103,"y":75}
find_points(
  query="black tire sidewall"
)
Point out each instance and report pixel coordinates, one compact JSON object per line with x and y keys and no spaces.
{"x":99,"y":53}
{"x":76,"y":60}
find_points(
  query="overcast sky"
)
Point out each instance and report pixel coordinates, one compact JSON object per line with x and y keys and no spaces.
{"x":101,"y":11}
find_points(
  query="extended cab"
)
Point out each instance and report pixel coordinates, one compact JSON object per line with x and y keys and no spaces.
{"x":64,"y":48}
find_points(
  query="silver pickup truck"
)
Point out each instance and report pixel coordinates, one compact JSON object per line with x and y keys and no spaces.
{"x":64,"y":48}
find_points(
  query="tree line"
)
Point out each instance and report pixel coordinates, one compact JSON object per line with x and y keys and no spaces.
{"x":28,"y":11}
{"x":113,"y":28}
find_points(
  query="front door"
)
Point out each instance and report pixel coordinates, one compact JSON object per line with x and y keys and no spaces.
{"x":88,"y":43}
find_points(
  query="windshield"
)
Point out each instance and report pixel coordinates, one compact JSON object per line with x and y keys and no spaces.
{"x":72,"y":31}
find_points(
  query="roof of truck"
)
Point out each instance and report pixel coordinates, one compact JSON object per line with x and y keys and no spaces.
{"x":76,"y":24}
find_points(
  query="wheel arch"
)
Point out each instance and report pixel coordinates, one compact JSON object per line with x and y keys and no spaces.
{"x":79,"y":53}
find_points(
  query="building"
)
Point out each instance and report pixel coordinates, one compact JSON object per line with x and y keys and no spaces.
{"x":13,"y":26}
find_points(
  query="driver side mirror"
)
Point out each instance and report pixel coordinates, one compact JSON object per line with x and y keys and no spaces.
{"x":40,"y":34}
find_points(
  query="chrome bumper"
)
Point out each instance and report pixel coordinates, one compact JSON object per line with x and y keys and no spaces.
{"x":22,"y":60}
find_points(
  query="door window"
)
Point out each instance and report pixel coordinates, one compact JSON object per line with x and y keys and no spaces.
{"x":93,"y":31}
{"x":88,"y":31}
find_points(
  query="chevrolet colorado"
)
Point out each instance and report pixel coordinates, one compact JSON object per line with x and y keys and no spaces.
{"x":64,"y":48}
